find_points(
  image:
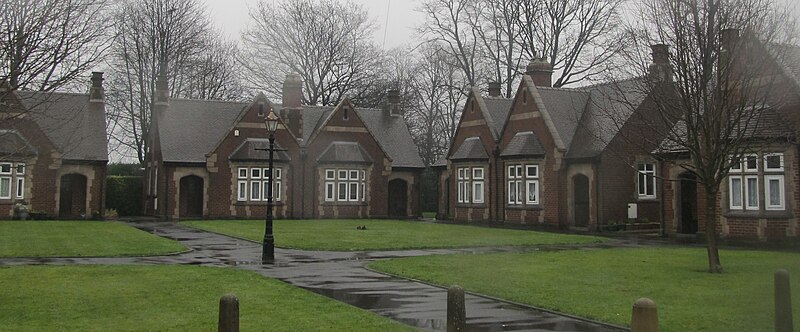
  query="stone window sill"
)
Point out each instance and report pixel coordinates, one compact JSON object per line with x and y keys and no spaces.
{"x":778,"y":214}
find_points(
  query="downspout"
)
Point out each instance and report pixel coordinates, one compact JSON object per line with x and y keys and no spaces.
{"x":661,"y":201}
{"x":303,"y":158}
{"x":598,"y":225}
{"x":497,"y":215}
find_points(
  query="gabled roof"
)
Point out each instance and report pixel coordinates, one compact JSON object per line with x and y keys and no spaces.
{"x":257,"y":149}
{"x":523,"y":144}
{"x":345,"y":152}
{"x":69,"y":123}
{"x":12,"y":144}
{"x":190,"y":129}
{"x":788,"y":58}
{"x":609,"y":106}
{"x":498,"y":109}
{"x":565,"y":107}
{"x":471,"y":149}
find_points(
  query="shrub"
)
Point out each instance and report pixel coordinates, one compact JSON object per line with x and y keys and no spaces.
{"x":124,"y":194}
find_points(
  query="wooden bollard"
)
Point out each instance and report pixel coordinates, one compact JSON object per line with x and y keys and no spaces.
{"x":229,"y":313}
{"x":645,"y":316}
{"x":783,"y":302}
{"x":456,"y":309}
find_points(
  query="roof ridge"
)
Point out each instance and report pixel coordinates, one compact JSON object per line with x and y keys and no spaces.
{"x":210,"y":100}
{"x":597,"y":85}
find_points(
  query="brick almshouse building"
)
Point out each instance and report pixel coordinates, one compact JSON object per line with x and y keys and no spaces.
{"x":53,"y":151}
{"x":582,"y":158}
{"x":338,"y":162}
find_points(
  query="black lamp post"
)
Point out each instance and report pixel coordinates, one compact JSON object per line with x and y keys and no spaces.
{"x":268,"y":249}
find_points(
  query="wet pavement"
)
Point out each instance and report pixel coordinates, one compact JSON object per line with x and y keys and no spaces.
{"x":344,"y":277}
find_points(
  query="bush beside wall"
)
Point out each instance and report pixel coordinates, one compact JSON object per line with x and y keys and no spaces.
{"x":124,"y":194}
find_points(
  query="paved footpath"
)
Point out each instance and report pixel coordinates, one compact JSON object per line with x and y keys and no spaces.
{"x":343,"y":276}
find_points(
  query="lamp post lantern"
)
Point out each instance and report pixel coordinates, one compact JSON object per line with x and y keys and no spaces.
{"x":268,"y":249}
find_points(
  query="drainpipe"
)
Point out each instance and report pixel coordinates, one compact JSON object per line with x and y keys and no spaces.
{"x":597,"y":225}
{"x":661,"y":201}
{"x":497,"y":181}
{"x":303,"y":155}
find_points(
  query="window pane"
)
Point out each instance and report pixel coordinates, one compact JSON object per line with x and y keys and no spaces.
{"x":343,"y":175}
{"x":277,"y":173}
{"x":242,"y":173}
{"x":519,"y":171}
{"x":343,"y":191}
{"x":20,"y":168}
{"x":478,"y":191}
{"x":752,"y":192}
{"x":642,"y":183}
{"x":363,"y":191}
{"x":20,"y":187}
{"x":265,"y":188}
{"x":277,"y":191}
{"x":774,"y":161}
{"x":751,"y":163}
{"x":354,"y":175}
{"x":533,"y":191}
{"x":774,"y":192}
{"x":329,"y":174}
{"x":477,"y":173}
{"x":255,"y":190}
{"x":354,"y":191}
{"x":255,"y":173}
{"x":5,"y":168}
{"x":511,"y":172}
{"x":650,"y":185}
{"x":736,"y":192}
{"x":5,"y":187}
{"x":532,"y":171}
{"x":329,"y":191}
{"x":242,"y":191}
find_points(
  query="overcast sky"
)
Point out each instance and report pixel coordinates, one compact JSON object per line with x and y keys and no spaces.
{"x":232,"y":16}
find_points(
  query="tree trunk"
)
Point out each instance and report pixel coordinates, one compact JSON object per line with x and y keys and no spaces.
{"x":714,"y":265}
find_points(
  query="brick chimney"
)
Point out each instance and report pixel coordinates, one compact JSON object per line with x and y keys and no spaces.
{"x":660,"y":69}
{"x":494,"y":89}
{"x":292,"y":100}
{"x":162,"y":87}
{"x":96,"y":92}
{"x":729,"y":38}
{"x":540,"y":71}
{"x":393,"y":106}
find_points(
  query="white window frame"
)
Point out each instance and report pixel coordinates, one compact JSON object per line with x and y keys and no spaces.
{"x":242,"y":173}
{"x":8,"y":166}
{"x":5,"y":190}
{"x":780,"y":168}
{"x":241,"y":190}
{"x":514,"y":179}
{"x":477,"y":189}
{"x":745,"y":163}
{"x":649,"y":178}
{"x":255,"y":173}
{"x":20,"y":189}
{"x":732,"y":195}
{"x":767,"y":192}
{"x":330,"y":191}
{"x":746,"y":191}
{"x":255,"y":190}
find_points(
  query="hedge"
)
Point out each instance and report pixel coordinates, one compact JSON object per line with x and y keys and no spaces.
{"x":124,"y":194}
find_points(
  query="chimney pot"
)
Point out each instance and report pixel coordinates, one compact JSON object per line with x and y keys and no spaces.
{"x":292,"y":91}
{"x":540,"y":71}
{"x":660,"y":69}
{"x":393,"y":102}
{"x":96,"y":92}
{"x":494,"y":89}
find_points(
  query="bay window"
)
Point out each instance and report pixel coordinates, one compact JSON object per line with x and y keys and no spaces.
{"x":470,"y":185}
{"x":252,"y":184}
{"x":12,"y":180}
{"x":523,"y":184}
{"x":745,"y":176}
{"x":345,"y":185}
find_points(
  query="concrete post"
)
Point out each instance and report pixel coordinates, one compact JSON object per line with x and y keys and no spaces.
{"x":783,"y":302}
{"x":645,"y":316}
{"x":456,"y":309}
{"x":228,"y":313}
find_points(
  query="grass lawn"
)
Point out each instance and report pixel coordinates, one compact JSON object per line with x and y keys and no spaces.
{"x":603,"y":284}
{"x":79,"y":239}
{"x":158,"y":298}
{"x":342,"y":235}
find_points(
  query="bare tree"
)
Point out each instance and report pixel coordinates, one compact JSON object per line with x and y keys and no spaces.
{"x":46,"y":44}
{"x":456,"y":23}
{"x":720,"y":93}
{"x":327,"y":43}
{"x":577,"y":36}
{"x":175,"y":35}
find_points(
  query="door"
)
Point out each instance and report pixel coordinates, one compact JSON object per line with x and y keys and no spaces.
{"x":72,"y":196}
{"x":191,"y":193}
{"x":581,"y":200}
{"x":398,"y":198}
{"x":688,"y":203}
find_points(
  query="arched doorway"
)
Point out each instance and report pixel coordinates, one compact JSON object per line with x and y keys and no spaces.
{"x":688,"y":203}
{"x":72,"y":196}
{"x":191,"y":204}
{"x":398,"y":198}
{"x":580,"y":192}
